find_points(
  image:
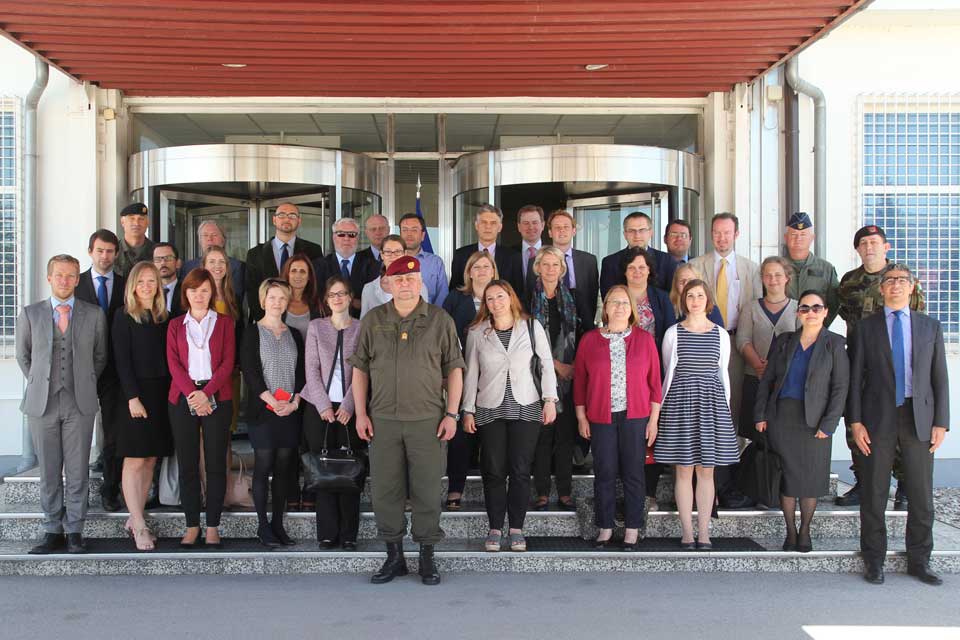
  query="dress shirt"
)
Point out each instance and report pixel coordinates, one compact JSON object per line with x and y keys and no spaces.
{"x":907,"y":346}
{"x":168,"y":290}
{"x":795,"y":381}
{"x":733,"y":287}
{"x":375,"y":252}
{"x":349,"y":260}
{"x":525,"y":253}
{"x":108,"y":283}
{"x":198,"y":333}
{"x":277,"y":245}
{"x":434,"y":276}
{"x":492,"y":249}
{"x":568,"y":256}
{"x":54,"y":302}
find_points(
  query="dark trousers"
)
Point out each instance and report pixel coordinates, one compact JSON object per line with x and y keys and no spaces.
{"x":112,"y":403}
{"x":619,"y":448}
{"x":459,"y":452}
{"x":507,"y":448}
{"x":875,"y":489}
{"x":187,"y":437}
{"x":338,"y":512}
{"x":555,"y":446}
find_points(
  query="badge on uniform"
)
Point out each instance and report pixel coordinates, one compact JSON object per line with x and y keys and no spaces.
{"x":403,"y":336}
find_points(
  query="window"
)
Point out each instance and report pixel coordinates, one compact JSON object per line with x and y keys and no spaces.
{"x":910,"y":186}
{"x":10,"y":190}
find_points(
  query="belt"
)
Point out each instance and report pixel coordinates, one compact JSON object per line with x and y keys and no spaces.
{"x":200,"y":384}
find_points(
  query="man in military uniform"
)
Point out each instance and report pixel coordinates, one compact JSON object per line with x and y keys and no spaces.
{"x":810,"y":272}
{"x":405,"y":351}
{"x":135,"y":246}
{"x":860,"y":296}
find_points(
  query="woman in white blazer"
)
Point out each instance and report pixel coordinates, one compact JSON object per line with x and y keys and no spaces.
{"x":508,"y":403}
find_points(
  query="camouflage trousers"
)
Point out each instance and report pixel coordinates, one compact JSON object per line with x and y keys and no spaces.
{"x":856,"y":456}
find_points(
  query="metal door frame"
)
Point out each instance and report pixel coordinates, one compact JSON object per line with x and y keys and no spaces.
{"x":661,"y":197}
{"x":166,"y":195}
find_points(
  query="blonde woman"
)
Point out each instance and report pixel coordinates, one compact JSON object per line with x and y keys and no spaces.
{"x":139,"y":347}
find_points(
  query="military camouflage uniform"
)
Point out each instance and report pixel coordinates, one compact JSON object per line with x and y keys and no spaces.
{"x":817,"y":274}
{"x":859,"y":296}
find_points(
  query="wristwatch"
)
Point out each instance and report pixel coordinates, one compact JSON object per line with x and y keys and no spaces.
{"x":455,"y":416}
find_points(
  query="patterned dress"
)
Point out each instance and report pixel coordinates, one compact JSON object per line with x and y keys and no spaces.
{"x":695,"y":423}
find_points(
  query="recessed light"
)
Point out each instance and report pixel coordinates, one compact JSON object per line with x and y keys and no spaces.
{"x":595,"y":67}
{"x":233,"y":65}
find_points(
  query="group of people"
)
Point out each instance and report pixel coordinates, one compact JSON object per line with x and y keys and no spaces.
{"x":376,"y":347}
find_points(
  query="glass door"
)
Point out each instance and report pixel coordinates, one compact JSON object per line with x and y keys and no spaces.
{"x":315,"y":217}
{"x":600,"y":220}
{"x":185,"y":212}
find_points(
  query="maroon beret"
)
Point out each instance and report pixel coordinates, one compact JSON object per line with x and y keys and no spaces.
{"x":406,"y":264}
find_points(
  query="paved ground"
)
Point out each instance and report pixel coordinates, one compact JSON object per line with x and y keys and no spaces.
{"x":554,"y":606}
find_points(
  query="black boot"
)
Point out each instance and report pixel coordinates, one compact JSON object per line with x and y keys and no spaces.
{"x":395,"y":564}
{"x":428,"y":569}
{"x":850,"y":498}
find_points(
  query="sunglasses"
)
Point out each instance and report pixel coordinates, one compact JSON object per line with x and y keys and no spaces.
{"x":346,"y":234}
{"x":807,"y":308}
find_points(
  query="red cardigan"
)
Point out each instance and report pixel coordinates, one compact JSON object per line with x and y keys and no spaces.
{"x":591,"y":377}
{"x":222,"y":353}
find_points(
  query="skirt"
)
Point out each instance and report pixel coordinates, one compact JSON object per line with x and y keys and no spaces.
{"x":276,"y":432}
{"x":806,"y":458}
{"x":151,"y":436}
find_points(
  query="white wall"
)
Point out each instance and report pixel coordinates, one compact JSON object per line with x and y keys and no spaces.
{"x":876,"y":51}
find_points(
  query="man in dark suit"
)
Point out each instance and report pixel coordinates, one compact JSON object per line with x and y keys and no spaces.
{"x":211,"y":234}
{"x":899,"y":396}
{"x":166,"y":259}
{"x":488,"y":222}
{"x":530,"y":224}
{"x":637,"y":230}
{"x":358,"y":268}
{"x":677,"y":240}
{"x":581,"y":272}
{"x":266,"y":260}
{"x":376,"y":228}
{"x":101,"y":286}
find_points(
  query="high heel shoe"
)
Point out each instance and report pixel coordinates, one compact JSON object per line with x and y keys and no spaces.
{"x":804,"y":544}
{"x":789,"y":546}
{"x":196,"y":544}
{"x":688,"y":546}
{"x":218,"y":544}
{"x":281,"y":535}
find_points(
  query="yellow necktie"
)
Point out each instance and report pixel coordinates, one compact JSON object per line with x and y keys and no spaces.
{"x":722,"y":290}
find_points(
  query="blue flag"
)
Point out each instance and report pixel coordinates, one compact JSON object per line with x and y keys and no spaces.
{"x":426,"y":245}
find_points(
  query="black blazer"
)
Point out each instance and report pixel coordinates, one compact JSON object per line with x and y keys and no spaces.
{"x":87,"y":292}
{"x":365,"y":269}
{"x":872,"y":399}
{"x":261,"y":265}
{"x":252,"y":368}
{"x":368,"y":255}
{"x":663,"y":314}
{"x":176,"y":306}
{"x":611,"y":272}
{"x":461,"y":308}
{"x":825,"y":389}
{"x":140,"y":350}
{"x":503,"y":257}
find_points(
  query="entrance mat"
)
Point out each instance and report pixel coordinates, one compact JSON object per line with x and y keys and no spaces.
{"x":657,"y":545}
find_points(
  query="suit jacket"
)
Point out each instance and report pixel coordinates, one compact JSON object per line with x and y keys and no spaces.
{"x":825,"y":389}
{"x":238,"y":275}
{"x":663,"y":313}
{"x":252,"y":368}
{"x":223,"y":348}
{"x":504,"y":257}
{"x":461,"y":308}
{"x":34,"y":353}
{"x":872,"y":398}
{"x":365,"y":269}
{"x":87,"y":292}
{"x":747,"y":271}
{"x":611,"y":271}
{"x":176,"y":307}
{"x":261,"y":265}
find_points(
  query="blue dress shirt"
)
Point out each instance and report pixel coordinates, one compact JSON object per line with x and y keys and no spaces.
{"x":907,"y":346}
{"x":434,"y":276}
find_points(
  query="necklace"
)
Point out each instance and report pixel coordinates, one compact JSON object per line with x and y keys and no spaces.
{"x":781,"y":301}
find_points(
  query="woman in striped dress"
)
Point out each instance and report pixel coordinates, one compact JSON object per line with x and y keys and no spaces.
{"x":696,"y":429}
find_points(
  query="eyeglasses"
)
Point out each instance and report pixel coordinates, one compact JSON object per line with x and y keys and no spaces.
{"x":637,"y":231}
{"x":287,"y":216}
{"x":618,"y":303}
{"x":807,"y":308}
{"x":395,"y":252}
{"x":162,"y":259}
{"x":904,"y":280}
{"x":338,"y":294}
{"x":346,"y":234}
{"x":678,"y":234}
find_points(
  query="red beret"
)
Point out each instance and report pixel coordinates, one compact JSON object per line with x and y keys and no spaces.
{"x":406,"y":264}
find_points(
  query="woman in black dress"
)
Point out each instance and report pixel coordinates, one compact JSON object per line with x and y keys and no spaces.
{"x":272,"y":365}
{"x":139,"y":347}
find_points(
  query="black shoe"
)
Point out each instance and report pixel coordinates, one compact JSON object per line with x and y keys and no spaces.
{"x":789,"y":546}
{"x":603,"y":545}
{"x":704,"y":546}
{"x":733,"y":499}
{"x":75,"y":543}
{"x":924,"y":575}
{"x":110,"y":503}
{"x":900,"y":501}
{"x":267,"y":538}
{"x":873,"y":573}
{"x":51,"y":543}
{"x":804,"y":543}
{"x":688,"y":546}
{"x":281,"y":535}
{"x":327,"y":544}
{"x":395,"y":565}
{"x":631,"y":547}
{"x":850,"y":498}
{"x":428,"y":568}
{"x":349,"y":545}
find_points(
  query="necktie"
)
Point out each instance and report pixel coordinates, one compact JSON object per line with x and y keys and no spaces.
{"x":345,"y":268}
{"x":531,"y":254}
{"x":899,"y":366}
{"x":722,"y":291}
{"x":102,"y":293}
{"x":63,"y":317}
{"x":568,"y":276}
{"x":284,"y":255}
{"x":166,"y":296}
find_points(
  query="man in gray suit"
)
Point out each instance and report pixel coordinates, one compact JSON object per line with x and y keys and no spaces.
{"x":899,"y":397}
{"x":58,"y":339}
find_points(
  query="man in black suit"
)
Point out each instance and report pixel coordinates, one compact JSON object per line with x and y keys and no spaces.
{"x":166,"y":259}
{"x":101,"y":286}
{"x":677,"y":240}
{"x":530,"y":224}
{"x":266,"y":260}
{"x":376,"y":228}
{"x":358,"y":268}
{"x":899,"y":396}
{"x":581,"y":266}
{"x":211,"y":233}
{"x":637,"y":230}
{"x":488,"y":222}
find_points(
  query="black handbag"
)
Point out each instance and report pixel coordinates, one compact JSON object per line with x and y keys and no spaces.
{"x":761,"y":472}
{"x":536,"y":366}
{"x":342,"y":469}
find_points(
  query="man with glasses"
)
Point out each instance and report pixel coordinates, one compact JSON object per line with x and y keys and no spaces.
{"x":488,"y":222}
{"x":810,"y":272}
{"x":898,"y":402}
{"x":167,"y":260}
{"x":530,"y":224}
{"x":211,"y":234}
{"x":677,"y":240}
{"x":376,"y":228}
{"x":637,"y":231}
{"x":357,"y":268}
{"x":859,"y":296}
{"x":266,"y":260}
{"x":135,"y":246}
{"x":432,"y":269}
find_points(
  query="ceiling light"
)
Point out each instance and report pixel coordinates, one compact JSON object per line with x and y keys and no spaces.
{"x":233,"y":65}
{"x":595,"y":67}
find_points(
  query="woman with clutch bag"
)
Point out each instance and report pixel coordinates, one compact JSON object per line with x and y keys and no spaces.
{"x":272,"y":364}
{"x":504,"y":401}
{"x":328,"y":414}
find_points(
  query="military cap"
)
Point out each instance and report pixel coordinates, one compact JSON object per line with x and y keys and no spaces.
{"x":406,"y":264}
{"x":800,"y":221}
{"x":869,"y":230}
{"x":135,"y":209}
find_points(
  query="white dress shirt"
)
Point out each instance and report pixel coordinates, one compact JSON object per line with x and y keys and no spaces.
{"x":168,"y":290}
{"x":198,"y":345}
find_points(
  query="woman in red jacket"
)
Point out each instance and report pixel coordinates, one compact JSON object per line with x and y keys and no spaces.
{"x":200,"y":356}
{"x":616,"y":392}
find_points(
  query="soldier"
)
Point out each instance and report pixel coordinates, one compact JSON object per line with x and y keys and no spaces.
{"x":811,"y":273}
{"x":859,"y":296}
{"x":135,"y":246}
